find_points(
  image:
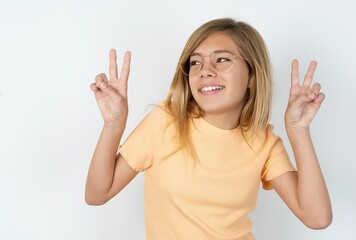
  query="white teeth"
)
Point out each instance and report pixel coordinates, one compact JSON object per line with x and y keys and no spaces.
{"x":211,"y":88}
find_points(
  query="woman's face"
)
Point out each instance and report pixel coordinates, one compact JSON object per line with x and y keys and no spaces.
{"x":220,"y":94}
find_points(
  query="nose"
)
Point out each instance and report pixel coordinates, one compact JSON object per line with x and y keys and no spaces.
{"x":207,"y":69}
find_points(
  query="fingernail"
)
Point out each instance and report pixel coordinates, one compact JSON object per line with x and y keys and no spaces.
{"x":103,"y":85}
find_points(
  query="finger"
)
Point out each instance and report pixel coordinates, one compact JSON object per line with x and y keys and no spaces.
{"x":125,"y":71}
{"x":109,"y":90}
{"x":315,"y":88}
{"x":100,"y":78}
{"x":94,"y":88}
{"x":310,"y":74}
{"x":295,"y":73}
{"x":302,"y":93}
{"x":300,"y":101}
{"x":316,"y":103}
{"x":320,"y":98}
{"x":112,"y":64}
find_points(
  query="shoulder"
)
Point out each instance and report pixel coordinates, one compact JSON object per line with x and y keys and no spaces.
{"x":265,"y":134}
{"x":266,"y":138}
{"x":157,"y":117}
{"x":158,"y":112}
{"x":270,"y":134}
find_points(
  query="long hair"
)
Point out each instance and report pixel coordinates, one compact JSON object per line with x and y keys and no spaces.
{"x":256,"y":111}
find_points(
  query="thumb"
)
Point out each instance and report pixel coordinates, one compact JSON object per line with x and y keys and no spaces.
{"x":109,"y":90}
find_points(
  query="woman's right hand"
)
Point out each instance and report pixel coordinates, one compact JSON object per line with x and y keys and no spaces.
{"x":111,"y":95}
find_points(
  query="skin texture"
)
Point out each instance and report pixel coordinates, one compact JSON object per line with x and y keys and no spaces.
{"x":222,"y":108}
{"x":109,"y":174}
{"x":304,"y":192}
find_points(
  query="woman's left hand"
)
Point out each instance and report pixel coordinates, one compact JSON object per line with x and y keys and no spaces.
{"x":304,"y":100}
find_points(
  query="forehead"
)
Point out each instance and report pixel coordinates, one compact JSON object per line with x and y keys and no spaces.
{"x":217,"y":41}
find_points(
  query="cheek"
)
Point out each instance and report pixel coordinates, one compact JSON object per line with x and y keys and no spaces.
{"x":191,"y":88}
{"x":237,"y":80}
{"x":241,"y":73}
{"x":241,"y":79}
{"x":238,"y":87}
{"x":192,"y":82}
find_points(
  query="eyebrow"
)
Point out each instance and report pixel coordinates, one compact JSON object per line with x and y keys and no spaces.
{"x":216,"y":51}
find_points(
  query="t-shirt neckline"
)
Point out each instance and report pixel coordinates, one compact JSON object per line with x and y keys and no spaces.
{"x":201,"y":122}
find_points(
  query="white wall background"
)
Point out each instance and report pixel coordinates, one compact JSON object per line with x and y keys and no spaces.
{"x":50,"y":52}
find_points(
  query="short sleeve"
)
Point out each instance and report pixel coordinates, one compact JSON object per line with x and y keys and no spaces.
{"x":277,"y":162}
{"x":140,"y":146}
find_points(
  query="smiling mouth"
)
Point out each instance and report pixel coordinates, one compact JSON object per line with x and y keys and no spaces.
{"x":211,"y":88}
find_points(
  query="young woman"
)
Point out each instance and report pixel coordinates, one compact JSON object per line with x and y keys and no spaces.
{"x":206,"y":148}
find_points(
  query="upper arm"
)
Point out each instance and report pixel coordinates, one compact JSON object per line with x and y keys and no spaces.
{"x":286,"y":187}
{"x":131,"y":160}
{"x":123,"y":175}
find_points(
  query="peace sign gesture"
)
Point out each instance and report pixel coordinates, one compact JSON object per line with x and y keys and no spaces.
{"x":111,"y":94}
{"x":304,"y":100}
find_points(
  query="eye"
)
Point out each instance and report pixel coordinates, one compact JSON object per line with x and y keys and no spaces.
{"x":194,"y":63}
{"x":195,"y":60}
{"x":223,"y":57}
{"x":222,"y":60}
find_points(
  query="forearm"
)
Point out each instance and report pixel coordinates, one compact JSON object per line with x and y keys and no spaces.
{"x":312,"y":193}
{"x":102,"y":166}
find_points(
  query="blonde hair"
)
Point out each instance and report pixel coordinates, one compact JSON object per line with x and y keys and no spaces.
{"x":256,"y":112}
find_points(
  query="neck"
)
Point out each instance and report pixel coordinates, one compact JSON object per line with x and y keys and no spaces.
{"x":223,"y":121}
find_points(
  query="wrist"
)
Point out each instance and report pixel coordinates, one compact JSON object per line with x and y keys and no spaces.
{"x":114,"y":126}
{"x":296,"y":132}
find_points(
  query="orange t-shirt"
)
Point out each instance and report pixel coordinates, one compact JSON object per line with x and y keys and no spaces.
{"x":205,"y":199}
